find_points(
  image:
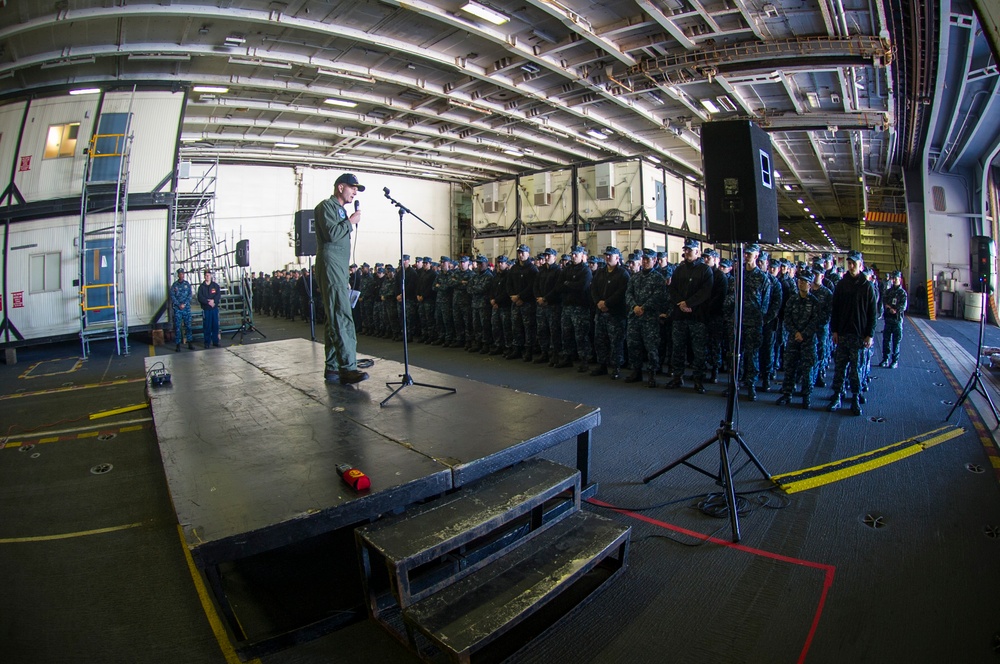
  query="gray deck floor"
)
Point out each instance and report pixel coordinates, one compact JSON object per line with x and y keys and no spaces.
{"x":810,"y":580}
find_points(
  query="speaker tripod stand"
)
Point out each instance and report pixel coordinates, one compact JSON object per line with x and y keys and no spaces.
{"x":726,"y":434}
{"x":246,"y":316}
{"x":976,"y":379}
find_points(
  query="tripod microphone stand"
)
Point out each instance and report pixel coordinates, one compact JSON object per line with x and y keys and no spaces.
{"x":246,"y":320}
{"x":976,"y":379}
{"x":405,"y":378}
{"x":726,"y":433}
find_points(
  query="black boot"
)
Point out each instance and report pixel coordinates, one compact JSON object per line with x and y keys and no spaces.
{"x":714,"y":376}
{"x":765,"y":385}
{"x":615,"y":373}
{"x":542,"y":359}
{"x":835,"y":403}
{"x":565,"y":363}
{"x":583,"y":368}
{"x":651,"y":380}
{"x":785,"y":398}
{"x":699,"y":387}
{"x":856,"y":404}
{"x":805,"y":401}
{"x":527,"y":357}
{"x":600,"y":370}
{"x":678,"y":381}
{"x":634,"y":377}
{"x":751,"y":392}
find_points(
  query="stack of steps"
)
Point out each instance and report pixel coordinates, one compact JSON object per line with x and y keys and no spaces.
{"x":487,"y":568}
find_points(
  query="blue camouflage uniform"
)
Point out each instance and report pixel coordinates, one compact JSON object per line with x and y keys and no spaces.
{"x":803,"y":317}
{"x":180,"y":303}
{"x":646,"y":290}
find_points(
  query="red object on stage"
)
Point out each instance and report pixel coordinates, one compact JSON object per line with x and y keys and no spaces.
{"x":355,"y":479}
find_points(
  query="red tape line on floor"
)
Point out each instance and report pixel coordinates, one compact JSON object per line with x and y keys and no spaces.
{"x":828,"y":570}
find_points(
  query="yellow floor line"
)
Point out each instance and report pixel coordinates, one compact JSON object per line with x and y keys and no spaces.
{"x":206,"y":603}
{"x":71,"y":388}
{"x":82,"y":533}
{"x":118,"y":411}
{"x":919,"y":443}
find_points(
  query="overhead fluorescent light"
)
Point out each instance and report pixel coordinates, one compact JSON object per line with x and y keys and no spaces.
{"x":159,"y":56}
{"x":513,"y":151}
{"x":598,"y":134}
{"x":345,"y":74}
{"x":235,"y":40}
{"x":66,"y":62}
{"x":813,"y":99}
{"x":799,"y":201}
{"x":777,"y":174}
{"x":258,"y":62}
{"x":530,"y":68}
{"x":806,"y":209}
{"x":788,"y":187}
{"x":215,"y":89}
{"x":346,"y":103}
{"x":286,"y":145}
{"x":485,"y":13}
{"x":85,"y":91}
{"x":709,"y":105}
{"x":726,"y":103}
{"x":653,"y":158}
{"x":812,"y":216}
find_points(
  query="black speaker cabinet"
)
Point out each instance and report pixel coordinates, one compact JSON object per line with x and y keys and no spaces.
{"x":305,"y":233}
{"x":983,"y":256}
{"x":741,"y":195}
{"x":243,"y":253}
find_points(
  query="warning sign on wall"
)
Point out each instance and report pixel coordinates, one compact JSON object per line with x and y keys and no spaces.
{"x":18,"y":299}
{"x":25,"y":164}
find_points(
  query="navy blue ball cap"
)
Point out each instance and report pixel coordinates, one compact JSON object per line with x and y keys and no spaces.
{"x":711,"y":252}
{"x":445,"y":259}
{"x":524,"y":248}
{"x":648,"y":253}
{"x":692,"y":244}
{"x":612,"y":251}
{"x":550,"y":252}
{"x":578,"y":250}
{"x":804,"y":275}
{"x":751,"y":249}
{"x":350,"y":179}
{"x":854,"y":256}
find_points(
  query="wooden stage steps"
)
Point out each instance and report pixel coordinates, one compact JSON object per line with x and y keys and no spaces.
{"x":509,"y":554}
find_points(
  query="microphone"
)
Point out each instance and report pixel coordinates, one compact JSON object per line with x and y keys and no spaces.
{"x":357,"y":205}
{"x":385,"y":190}
{"x":354,"y":477}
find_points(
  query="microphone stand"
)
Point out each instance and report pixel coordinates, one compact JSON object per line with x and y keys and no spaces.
{"x":405,"y":378}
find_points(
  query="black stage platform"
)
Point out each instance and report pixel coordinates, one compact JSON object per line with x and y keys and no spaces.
{"x":250,"y":437}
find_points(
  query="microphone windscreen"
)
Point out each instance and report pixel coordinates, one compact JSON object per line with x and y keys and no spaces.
{"x":357,"y":205}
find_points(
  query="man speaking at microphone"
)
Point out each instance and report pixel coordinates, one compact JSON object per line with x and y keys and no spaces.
{"x":333,"y":255}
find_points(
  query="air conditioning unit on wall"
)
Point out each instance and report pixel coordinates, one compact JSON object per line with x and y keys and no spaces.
{"x":604,"y":177}
{"x":543,"y":189}
{"x":491,"y":196}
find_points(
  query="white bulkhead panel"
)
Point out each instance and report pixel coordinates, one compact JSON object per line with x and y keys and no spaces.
{"x":156,"y":117}
{"x":59,"y":175}
{"x":10,"y":127}
{"x":146,"y":281}
{"x":42,"y":264}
